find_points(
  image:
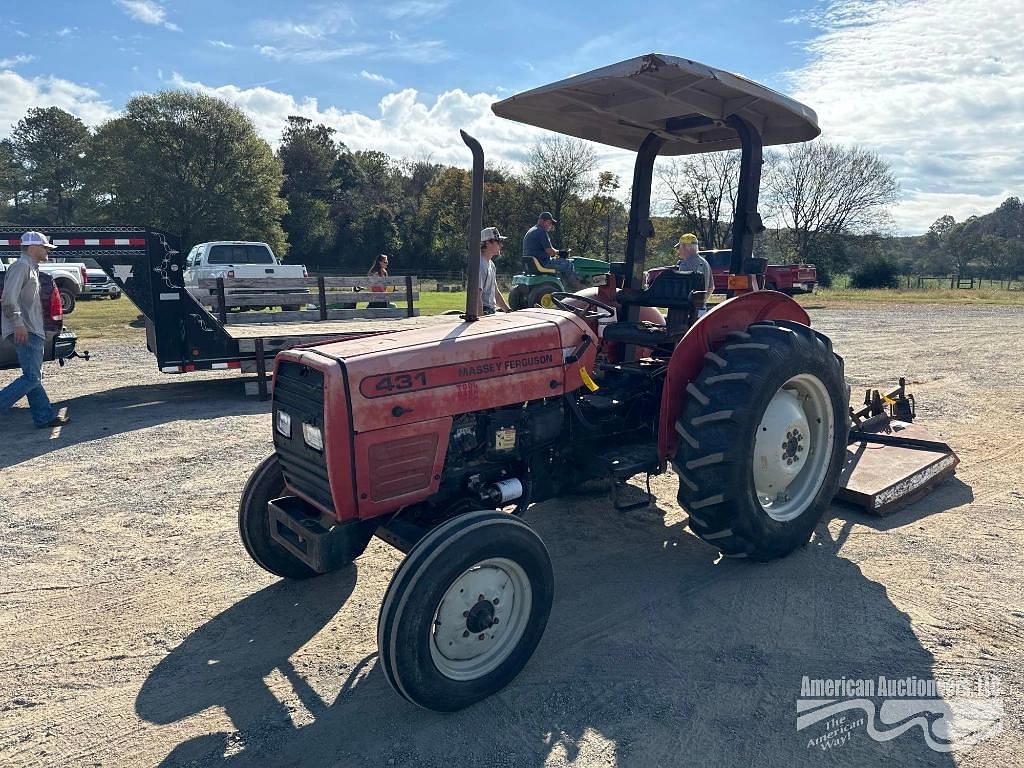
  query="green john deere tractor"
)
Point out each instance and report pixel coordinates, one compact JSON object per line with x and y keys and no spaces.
{"x":532,"y":288}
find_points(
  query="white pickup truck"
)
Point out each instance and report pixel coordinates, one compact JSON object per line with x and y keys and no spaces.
{"x":236,"y":259}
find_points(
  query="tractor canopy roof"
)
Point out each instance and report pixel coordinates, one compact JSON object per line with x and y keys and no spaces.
{"x":682,"y":101}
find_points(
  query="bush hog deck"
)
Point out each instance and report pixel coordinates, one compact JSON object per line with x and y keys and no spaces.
{"x":439,"y":438}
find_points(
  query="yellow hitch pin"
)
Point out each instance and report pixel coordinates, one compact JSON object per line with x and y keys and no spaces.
{"x":587,"y":381}
{"x":888,"y":400}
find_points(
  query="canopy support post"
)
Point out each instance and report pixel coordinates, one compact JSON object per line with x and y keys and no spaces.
{"x":746,"y":223}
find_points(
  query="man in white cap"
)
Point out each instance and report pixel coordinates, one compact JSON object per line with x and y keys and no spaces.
{"x":22,"y":320}
{"x":491,"y":299}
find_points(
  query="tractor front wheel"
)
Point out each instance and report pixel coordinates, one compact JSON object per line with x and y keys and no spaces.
{"x":465,"y":610}
{"x":266,"y":484}
{"x":763,"y":440}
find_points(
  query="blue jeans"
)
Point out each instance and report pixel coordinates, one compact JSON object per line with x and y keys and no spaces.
{"x":560,"y":264}
{"x":30,"y":383}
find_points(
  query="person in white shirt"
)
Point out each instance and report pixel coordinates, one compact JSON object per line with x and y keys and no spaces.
{"x":491,"y":299}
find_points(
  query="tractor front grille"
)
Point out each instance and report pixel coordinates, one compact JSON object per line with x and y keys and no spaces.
{"x":299,"y":392}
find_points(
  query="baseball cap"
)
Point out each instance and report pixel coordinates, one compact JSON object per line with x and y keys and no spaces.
{"x":546,"y":216}
{"x":688,"y":239}
{"x":36,"y":238}
{"x":491,"y":233}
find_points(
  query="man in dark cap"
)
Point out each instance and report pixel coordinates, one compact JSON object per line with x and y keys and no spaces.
{"x":537,"y":244}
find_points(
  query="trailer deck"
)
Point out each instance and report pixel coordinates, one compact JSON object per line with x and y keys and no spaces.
{"x":192,"y":329}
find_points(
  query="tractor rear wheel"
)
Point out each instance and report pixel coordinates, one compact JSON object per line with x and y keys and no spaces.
{"x":763,"y":440}
{"x":519,"y":297}
{"x":465,"y":610}
{"x":265,"y":484}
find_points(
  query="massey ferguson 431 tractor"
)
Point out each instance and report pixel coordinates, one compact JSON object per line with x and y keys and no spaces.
{"x":438,"y":436}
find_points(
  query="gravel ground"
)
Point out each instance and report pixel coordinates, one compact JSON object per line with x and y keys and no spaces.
{"x":137,"y":632}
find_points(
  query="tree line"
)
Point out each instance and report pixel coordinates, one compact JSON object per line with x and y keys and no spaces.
{"x":194,"y":165}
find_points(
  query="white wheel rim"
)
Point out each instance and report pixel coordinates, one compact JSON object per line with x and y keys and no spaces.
{"x":793,"y":447}
{"x":480,"y":619}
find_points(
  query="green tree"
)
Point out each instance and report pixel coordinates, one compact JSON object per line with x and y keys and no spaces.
{"x":194,"y":165}
{"x":818,"y":191}
{"x":308,"y":155}
{"x":50,"y":145}
{"x":445,"y":214}
{"x":703,"y":190}
{"x":559,"y":169}
{"x":12,"y":182}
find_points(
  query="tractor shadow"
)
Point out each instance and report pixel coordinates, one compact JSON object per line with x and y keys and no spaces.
{"x":224,"y":662}
{"x":657,"y":652}
{"x":125,"y":409}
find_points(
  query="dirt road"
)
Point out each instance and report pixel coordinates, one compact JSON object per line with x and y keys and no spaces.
{"x":136,"y":631}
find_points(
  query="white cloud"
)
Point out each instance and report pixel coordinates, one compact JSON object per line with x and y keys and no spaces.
{"x":65,"y":31}
{"x":13,"y":61}
{"x":330,"y":34}
{"x":373,"y":77}
{"x":148,"y":12}
{"x":18,"y":94}
{"x":416,"y":9}
{"x":314,"y":54}
{"x":405,"y":125}
{"x":935,"y":86}
{"x":220,"y":44}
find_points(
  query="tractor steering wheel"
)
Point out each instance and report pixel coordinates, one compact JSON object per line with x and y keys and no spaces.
{"x":600,"y":311}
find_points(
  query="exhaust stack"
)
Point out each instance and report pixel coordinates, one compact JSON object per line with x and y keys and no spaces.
{"x":476,"y":223}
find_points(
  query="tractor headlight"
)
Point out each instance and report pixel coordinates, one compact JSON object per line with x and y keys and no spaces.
{"x":313,"y":437}
{"x":284,"y":424}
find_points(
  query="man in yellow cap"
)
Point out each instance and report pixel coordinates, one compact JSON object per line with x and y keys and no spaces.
{"x":690,"y":260}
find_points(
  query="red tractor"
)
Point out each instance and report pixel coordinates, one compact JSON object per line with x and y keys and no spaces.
{"x":438,"y":437}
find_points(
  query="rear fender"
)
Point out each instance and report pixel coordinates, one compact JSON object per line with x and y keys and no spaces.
{"x":734,"y":314}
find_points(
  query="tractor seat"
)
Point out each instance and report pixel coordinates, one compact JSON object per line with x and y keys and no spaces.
{"x":642,"y":333}
{"x":534,"y":267}
{"x":670,"y":289}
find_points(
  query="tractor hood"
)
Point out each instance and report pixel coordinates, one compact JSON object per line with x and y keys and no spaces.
{"x":442,"y":370}
{"x":682,"y":101}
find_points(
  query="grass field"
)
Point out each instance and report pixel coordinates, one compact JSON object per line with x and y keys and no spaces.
{"x":104,"y":319}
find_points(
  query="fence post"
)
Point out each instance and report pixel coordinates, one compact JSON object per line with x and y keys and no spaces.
{"x":261,"y":370}
{"x":322,"y":290}
{"x":222,"y":309}
{"x":408,"y":296}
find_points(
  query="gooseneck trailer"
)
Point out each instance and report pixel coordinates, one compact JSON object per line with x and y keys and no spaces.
{"x":187,"y":334}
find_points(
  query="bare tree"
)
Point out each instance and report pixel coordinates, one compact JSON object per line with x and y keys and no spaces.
{"x":559,"y":169}
{"x":703,"y":190}
{"x":818,"y":190}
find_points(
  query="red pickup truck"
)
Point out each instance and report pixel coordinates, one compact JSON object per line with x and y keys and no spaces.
{"x":787,"y":278}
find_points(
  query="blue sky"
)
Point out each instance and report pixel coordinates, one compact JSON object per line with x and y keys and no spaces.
{"x":323,"y":49}
{"x":933,"y":85}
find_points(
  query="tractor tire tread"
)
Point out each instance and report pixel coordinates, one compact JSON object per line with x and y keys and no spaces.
{"x":712,"y":478}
